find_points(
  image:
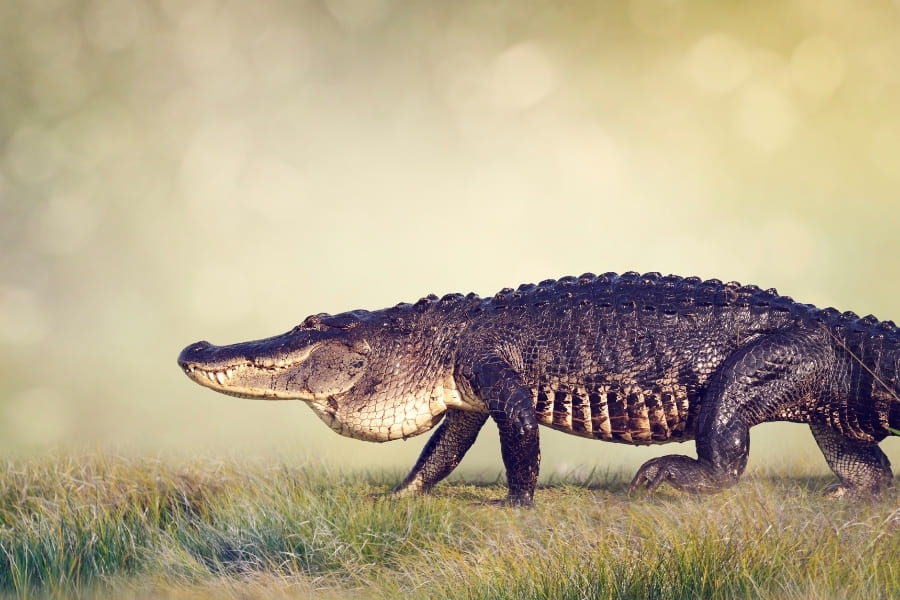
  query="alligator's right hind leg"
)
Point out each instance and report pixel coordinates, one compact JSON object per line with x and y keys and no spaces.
{"x":863,"y":469}
{"x":443,"y":451}
{"x":765,"y":380}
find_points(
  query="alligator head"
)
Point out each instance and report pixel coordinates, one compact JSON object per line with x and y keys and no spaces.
{"x":361,"y":374}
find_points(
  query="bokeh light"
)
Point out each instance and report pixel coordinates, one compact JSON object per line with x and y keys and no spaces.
{"x":172,"y":171}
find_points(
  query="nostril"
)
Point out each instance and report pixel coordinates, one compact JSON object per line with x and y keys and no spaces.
{"x":190,"y":354}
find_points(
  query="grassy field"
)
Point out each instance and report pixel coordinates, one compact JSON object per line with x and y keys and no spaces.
{"x":96,"y":525}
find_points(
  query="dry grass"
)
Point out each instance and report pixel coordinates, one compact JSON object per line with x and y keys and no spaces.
{"x":101,"y":524}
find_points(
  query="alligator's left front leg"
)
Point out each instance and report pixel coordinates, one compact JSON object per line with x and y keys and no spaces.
{"x":766,"y":380}
{"x":443,"y":451}
{"x":512,"y":408}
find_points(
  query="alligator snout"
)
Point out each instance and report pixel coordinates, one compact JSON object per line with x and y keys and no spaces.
{"x":193,"y":354}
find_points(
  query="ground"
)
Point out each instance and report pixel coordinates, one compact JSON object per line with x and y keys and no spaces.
{"x":203,"y":528}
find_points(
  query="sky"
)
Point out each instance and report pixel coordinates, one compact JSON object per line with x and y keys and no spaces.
{"x":219,"y":170}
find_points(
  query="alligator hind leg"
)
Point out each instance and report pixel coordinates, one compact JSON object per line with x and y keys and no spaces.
{"x":443,"y":451}
{"x":767,"y":380}
{"x":863,"y":469}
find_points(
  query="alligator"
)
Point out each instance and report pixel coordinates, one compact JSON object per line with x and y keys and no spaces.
{"x":631,"y":358}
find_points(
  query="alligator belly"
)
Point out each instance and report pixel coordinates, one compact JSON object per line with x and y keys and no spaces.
{"x":624,"y":414}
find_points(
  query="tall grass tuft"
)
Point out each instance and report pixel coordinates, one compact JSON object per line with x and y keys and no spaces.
{"x":102,"y":524}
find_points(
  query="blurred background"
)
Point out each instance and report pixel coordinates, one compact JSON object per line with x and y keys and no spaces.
{"x":174,"y":171}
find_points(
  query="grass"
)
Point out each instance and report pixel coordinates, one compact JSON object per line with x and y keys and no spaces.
{"x":101,"y":525}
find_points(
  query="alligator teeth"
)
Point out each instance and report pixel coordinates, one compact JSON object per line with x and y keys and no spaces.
{"x":219,"y":377}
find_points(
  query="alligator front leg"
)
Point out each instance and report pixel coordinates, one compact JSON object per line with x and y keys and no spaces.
{"x":443,"y":451}
{"x":511,"y":406}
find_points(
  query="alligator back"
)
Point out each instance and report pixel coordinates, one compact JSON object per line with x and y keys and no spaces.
{"x":627,"y":357}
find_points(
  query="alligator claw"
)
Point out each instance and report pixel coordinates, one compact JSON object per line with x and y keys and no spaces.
{"x":648,"y":477}
{"x":510,"y":503}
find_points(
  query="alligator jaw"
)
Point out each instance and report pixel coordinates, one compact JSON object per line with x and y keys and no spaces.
{"x":237,"y":370}
{"x":218,"y":380}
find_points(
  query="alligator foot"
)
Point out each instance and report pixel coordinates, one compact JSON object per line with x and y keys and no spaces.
{"x":681,"y":472}
{"x":510,"y":502}
{"x":399,"y":491}
{"x":386,"y":496}
{"x":839,"y":491}
{"x":403,"y":492}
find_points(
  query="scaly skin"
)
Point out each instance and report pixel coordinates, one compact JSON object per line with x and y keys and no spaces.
{"x":636,"y":359}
